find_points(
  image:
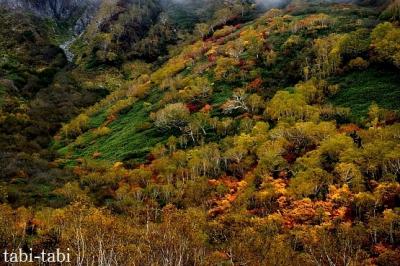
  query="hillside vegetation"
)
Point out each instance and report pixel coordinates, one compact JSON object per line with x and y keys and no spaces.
{"x":247,"y":138}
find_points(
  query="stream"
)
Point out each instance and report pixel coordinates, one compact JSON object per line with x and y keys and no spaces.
{"x":66,"y":48}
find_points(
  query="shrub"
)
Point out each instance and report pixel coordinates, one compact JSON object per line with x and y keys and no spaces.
{"x":172,"y":116}
{"x":224,"y":32}
{"x":101,"y":131}
{"x":121,"y":105}
{"x":358,"y":63}
{"x":76,"y":126}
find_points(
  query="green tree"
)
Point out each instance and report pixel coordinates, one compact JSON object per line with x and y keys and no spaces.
{"x":172,"y":116}
{"x":386,"y":41}
{"x":290,"y":106}
{"x":313,"y":182}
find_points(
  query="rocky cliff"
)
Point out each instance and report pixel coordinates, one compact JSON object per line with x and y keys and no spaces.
{"x":79,"y":11}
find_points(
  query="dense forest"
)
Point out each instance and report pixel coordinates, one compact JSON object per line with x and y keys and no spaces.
{"x":211,"y":132}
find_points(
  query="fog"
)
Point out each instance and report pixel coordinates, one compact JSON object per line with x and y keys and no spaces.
{"x":275,"y":3}
{"x":270,"y":3}
{"x":260,"y":2}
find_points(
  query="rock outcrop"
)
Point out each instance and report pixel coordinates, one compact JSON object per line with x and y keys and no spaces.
{"x":79,"y":11}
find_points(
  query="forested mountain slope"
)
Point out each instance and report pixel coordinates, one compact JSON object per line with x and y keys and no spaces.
{"x":180,"y":136}
{"x":39,"y":90}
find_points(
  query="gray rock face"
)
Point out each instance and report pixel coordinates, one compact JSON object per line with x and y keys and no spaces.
{"x":80,"y":10}
{"x":66,"y":48}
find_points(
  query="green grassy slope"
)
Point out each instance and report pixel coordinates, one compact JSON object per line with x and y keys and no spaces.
{"x":133,"y":134}
{"x":361,"y":88}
